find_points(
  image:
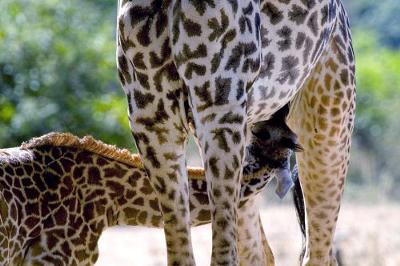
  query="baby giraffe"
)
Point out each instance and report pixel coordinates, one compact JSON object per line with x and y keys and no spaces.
{"x":271,"y":145}
{"x":59,"y":192}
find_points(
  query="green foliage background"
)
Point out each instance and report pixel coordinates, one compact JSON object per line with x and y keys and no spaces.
{"x":57,"y":73}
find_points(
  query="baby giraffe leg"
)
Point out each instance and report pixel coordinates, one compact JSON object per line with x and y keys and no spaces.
{"x":217,"y":53}
{"x":267,"y":249}
{"x":252,"y":243}
{"x":322,"y":115}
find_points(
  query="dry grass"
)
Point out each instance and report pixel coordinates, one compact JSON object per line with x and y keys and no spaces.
{"x":366,"y":235}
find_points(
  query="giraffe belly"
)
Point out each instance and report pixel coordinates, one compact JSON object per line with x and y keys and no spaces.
{"x":293,"y":38}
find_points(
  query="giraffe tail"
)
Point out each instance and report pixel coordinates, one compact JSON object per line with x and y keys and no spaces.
{"x":297,"y":193}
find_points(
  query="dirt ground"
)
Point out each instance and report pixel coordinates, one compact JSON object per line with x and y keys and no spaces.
{"x":366,"y":235}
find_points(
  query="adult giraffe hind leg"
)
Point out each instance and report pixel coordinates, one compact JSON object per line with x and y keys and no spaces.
{"x":156,"y":113}
{"x":216,"y":49}
{"x":322,"y":115}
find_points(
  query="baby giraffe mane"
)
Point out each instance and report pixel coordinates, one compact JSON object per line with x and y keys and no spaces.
{"x":90,"y":144}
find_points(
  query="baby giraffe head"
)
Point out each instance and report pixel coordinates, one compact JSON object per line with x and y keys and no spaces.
{"x":270,"y":148}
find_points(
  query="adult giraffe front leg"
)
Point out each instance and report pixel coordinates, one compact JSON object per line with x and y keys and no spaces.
{"x":322,"y":115}
{"x":157,"y":115}
{"x":216,"y":49}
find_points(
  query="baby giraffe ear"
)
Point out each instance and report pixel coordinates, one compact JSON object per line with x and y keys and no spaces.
{"x":298,"y":148}
{"x":261,"y":134}
{"x":290,"y":144}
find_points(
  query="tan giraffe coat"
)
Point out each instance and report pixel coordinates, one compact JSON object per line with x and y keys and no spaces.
{"x":224,"y":66}
{"x":59,"y":192}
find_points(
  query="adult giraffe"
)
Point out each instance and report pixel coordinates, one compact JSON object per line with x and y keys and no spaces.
{"x":219,"y":67}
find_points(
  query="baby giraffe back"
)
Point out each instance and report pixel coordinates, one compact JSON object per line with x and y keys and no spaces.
{"x":52,"y":207}
{"x":55,"y":201}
